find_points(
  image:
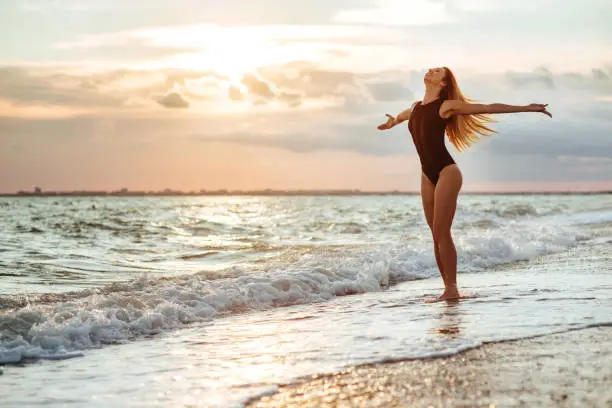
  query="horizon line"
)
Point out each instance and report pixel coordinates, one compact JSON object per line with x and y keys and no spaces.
{"x":266,"y":192}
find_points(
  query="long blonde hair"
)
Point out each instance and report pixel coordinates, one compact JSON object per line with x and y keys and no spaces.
{"x":463,"y":130}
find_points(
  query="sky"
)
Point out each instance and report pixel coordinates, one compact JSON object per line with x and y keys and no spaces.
{"x":256,"y":94}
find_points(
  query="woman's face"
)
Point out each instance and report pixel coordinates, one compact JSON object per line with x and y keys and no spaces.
{"x":435,"y":76}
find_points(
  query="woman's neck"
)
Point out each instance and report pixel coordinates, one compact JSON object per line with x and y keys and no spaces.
{"x":431,"y":94}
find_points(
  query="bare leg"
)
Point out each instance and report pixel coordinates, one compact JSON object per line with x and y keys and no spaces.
{"x":445,"y":199}
{"x":427,"y":196}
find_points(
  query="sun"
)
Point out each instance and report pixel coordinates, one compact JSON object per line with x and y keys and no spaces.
{"x":226,"y":57}
{"x":231,"y":52}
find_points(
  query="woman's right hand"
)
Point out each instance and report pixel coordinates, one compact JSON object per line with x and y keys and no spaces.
{"x":391,"y":121}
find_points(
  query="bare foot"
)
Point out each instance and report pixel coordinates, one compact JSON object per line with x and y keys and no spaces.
{"x":449,"y":294}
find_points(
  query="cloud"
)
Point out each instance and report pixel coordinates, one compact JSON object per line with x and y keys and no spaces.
{"x":130,"y":45}
{"x":556,"y":86}
{"x":566,"y":138}
{"x":301,"y":143}
{"x":265,"y":41}
{"x":350,"y":87}
{"x":289,"y":86}
{"x":258,"y":12}
{"x":577,"y":130}
{"x":357,"y":138}
{"x":293,"y":83}
{"x":257,"y":87}
{"x":173,"y":100}
{"x":546,"y":141}
{"x":601,"y":75}
{"x":390,"y":91}
{"x":37,"y":87}
{"x":234,"y":93}
{"x":322,"y":73}
{"x":397,"y":13}
{"x":480,"y":6}
{"x":590,"y":159}
{"x":297,"y":82}
{"x":131,"y":49}
{"x":319,"y":28}
{"x":598,"y":79}
{"x":23,"y":86}
{"x":292,"y":99}
{"x":542,"y":77}
{"x":303,"y":80}
{"x":53,"y":5}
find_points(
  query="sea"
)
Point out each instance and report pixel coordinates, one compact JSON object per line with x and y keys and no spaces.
{"x":211,"y":301}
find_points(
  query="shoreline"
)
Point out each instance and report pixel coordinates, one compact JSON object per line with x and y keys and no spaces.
{"x":571,"y":368}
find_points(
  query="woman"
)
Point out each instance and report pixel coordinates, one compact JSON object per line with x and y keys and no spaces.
{"x":445,"y":109}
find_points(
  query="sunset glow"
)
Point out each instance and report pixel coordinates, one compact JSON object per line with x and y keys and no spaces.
{"x":303,"y":87}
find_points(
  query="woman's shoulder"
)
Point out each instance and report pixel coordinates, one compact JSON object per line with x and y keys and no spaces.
{"x":446,"y":108}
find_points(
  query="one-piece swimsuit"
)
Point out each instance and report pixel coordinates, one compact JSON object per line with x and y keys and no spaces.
{"x":427,"y":129}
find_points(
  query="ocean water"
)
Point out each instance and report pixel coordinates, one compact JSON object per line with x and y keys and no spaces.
{"x":210,"y":301}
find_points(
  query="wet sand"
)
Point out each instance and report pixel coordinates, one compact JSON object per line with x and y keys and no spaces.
{"x":572,"y":369}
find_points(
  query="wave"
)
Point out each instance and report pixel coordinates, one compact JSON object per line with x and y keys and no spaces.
{"x":61,"y":326}
{"x":149,"y":306}
{"x":515,"y":210}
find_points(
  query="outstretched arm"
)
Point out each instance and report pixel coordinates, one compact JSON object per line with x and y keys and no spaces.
{"x":401,"y":117}
{"x":455,"y":107}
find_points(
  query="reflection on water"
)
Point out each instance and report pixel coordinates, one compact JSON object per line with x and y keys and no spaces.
{"x":449,"y":321}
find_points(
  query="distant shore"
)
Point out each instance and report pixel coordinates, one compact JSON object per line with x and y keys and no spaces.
{"x":268,"y":192}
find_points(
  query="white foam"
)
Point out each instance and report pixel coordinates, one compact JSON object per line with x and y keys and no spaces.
{"x":154,"y":305}
{"x":514,"y":242}
{"x":590,"y":217}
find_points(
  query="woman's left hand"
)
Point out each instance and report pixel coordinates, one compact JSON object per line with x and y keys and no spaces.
{"x":538,"y":107}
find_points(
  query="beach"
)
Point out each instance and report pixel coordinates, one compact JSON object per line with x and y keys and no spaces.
{"x":216,"y":301}
{"x":572,"y":369}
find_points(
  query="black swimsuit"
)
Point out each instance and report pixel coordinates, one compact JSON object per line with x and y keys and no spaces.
{"x":427,"y":129}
